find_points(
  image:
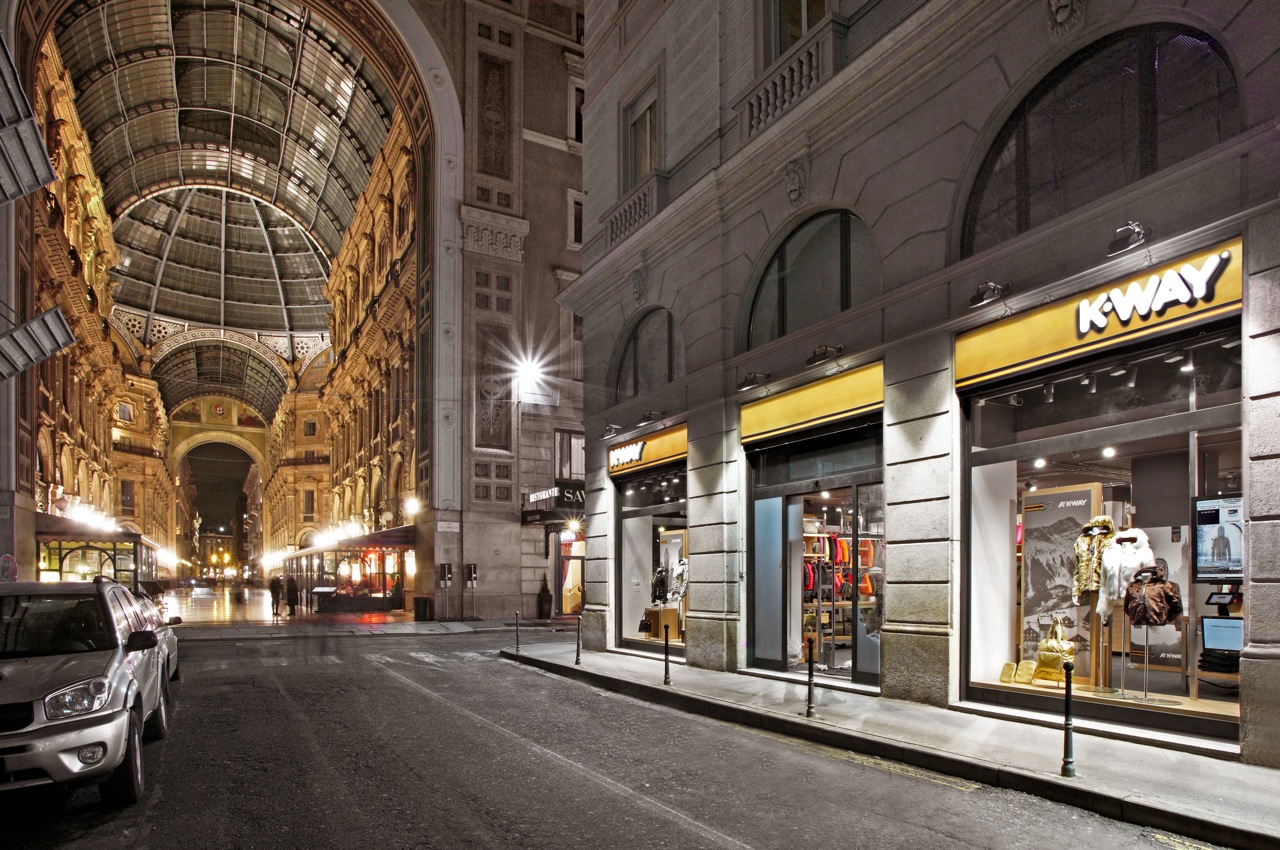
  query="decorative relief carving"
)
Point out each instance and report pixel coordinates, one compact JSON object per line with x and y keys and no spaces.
{"x":493,"y":388}
{"x":495,"y":116}
{"x":493,"y":234}
{"x":796,"y":175}
{"x":1064,"y":16}
{"x":640,"y":284}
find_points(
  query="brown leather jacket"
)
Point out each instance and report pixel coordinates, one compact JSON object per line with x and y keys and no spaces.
{"x":1151,"y":599}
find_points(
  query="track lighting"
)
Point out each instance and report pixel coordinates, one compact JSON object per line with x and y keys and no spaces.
{"x":1031,"y":485}
{"x":753,"y":380}
{"x":988,"y":291}
{"x":822,"y":354}
{"x":610,"y":430}
{"x":1048,"y":393}
{"x":1015,"y":400}
{"x":1174,"y":356}
{"x":1127,"y":237}
{"x":1090,"y":383}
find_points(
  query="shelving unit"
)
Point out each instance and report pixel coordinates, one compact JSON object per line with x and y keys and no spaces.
{"x":830,"y":621}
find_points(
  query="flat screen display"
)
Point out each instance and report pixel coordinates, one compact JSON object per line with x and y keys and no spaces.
{"x":1222,"y":633}
{"x":1219,"y":554}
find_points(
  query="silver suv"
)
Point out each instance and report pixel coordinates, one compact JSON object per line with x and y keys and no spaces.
{"x":81,"y":683}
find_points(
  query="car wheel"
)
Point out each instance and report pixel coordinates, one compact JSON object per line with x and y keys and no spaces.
{"x":176,"y":674}
{"x":125,"y":786}
{"x":158,"y":722}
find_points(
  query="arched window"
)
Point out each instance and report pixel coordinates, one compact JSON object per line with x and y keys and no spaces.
{"x":1114,"y":113}
{"x":814,"y":274}
{"x":652,"y":357}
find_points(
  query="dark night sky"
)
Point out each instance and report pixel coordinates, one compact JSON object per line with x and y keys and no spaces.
{"x":218,"y":472}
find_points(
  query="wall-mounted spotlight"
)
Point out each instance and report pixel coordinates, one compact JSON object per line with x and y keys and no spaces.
{"x":753,"y":380}
{"x":1174,"y":356}
{"x":1128,"y":237}
{"x":822,"y":354}
{"x":988,"y":291}
{"x":1131,"y":378}
{"x":1015,"y":400}
{"x":610,"y":430}
{"x":649,"y":417}
{"x":1031,"y":485}
{"x":1090,"y":383}
{"x":1048,"y":393}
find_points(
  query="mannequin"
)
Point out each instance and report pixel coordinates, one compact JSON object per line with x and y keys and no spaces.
{"x":1095,"y":539}
{"x":1130,"y":551}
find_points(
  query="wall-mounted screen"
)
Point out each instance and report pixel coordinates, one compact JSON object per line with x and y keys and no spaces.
{"x":1219,"y":555}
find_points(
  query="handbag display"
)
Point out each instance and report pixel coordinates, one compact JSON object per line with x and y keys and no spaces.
{"x":1151,"y":599}
{"x":1054,"y":651}
{"x":645,"y":626}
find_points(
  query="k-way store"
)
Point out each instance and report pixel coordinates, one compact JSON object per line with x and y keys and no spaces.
{"x":1104,"y":505}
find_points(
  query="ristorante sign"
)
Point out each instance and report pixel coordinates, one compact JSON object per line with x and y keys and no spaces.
{"x":1191,"y":289}
{"x":652,"y":449}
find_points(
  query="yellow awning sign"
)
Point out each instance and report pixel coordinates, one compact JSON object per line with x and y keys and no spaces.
{"x":649,"y":450}
{"x":839,"y":397}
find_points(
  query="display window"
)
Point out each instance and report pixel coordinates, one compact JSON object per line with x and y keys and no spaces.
{"x":571,"y":557}
{"x":816,"y":587}
{"x":1105,"y":528}
{"x":654,"y":557}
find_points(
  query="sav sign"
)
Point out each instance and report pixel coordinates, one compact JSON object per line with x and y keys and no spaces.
{"x":1186,"y":285}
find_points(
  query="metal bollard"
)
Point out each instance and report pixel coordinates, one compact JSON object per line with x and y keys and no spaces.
{"x":517,"y":631}
{"x":577,"y":652}
{"x":666,"y":653}
{"x":1068,"y":748}
{"x":810,"y":710}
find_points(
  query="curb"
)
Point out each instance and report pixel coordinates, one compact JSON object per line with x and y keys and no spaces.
{"x":1125,"y":809}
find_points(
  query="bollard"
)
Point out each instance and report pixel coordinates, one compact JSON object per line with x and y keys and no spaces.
{"x":517,"y":631}
{"x":666,"y":653}
{"x":577,"y":652}
{"x":809,"y":709}
{"x":1068,"y":749}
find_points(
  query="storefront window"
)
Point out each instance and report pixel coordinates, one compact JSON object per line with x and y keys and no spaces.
{"x":654,"y":556}
{"x":573,"y":552}
{"x":1089,"y":526}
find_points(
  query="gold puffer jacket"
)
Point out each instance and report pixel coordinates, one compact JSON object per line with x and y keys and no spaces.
{"x":1095,"y":538}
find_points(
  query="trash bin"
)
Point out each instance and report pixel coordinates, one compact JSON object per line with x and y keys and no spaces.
{"x":422,"y":609}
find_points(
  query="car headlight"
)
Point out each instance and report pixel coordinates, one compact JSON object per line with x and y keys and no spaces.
{"x":80,"y":698}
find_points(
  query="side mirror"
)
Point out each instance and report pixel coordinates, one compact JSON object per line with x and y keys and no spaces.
{"x":139,"y":641}
{"x":175,"y":621}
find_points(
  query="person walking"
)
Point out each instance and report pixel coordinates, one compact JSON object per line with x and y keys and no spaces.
{"x":291,"y":594}
{"x":276,"y":586}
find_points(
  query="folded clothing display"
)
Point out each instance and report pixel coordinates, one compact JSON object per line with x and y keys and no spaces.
{"x":1220,"y":661}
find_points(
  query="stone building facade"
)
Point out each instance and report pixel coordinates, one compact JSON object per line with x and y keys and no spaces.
{"x":841,"y":259}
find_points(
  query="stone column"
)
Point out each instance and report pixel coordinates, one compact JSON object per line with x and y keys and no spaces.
{"x":597,"y":570}
{"x":1260,"y":661}
{"x":711,"y":630}
{"x":919,"y":651}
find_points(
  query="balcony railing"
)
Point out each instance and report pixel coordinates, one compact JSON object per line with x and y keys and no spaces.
{"x":642,"y":204}
{"x":793,"y":76}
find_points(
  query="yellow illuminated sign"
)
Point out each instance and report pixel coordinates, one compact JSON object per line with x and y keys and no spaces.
{"x":649,"y":450}
{"x":848,"y":394}
{"x":1192,"y":289}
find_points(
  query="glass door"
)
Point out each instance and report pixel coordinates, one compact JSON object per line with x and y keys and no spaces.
{"x":572,"y":555}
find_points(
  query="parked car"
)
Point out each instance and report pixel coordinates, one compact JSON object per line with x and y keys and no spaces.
{"x":153,"y":611}
{"x":82,"y":682}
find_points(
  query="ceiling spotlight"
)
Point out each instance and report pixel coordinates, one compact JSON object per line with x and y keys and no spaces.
{"x":823,"y":353}
{"x":988,"y":291}
{"x":649,"y":417}
{"x":1040,"y":463}
{"x":1109,"y":452}
{"x":1048,"y":393}
{"x":1031,"y":485}
{"x":610,"y":430}
{"x":1128,"y":237}
{"x":1015,"y":400}
{"x":1118,"y":371}
{"x":1090,"y":383}
{"x":1231,"y":343}
{"x":1174,"y":356}
{"x":1188,"y":365}
{"x":753,"y":380}
{"x":826,"y":494}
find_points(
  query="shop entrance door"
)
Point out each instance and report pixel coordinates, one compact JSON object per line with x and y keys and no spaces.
{"x":571,"y":556}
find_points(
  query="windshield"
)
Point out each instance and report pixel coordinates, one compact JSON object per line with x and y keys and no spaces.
{"x":53,"y":624}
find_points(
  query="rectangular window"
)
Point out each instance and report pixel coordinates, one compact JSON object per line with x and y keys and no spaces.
{"x":127,"y":497}
{"x":795,"y":18}
{"x":309,"y":428}
{"x":309,"y":456}
{"x":124,"y":412}
{"x":571,"y":456}
{"x":641,"y":138}
{"x":574,"y":223}
{"x":577,"y":96}
{"x":308,"y":505}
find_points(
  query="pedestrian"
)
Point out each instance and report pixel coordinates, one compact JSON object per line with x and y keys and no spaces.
{"x":291,"y":595}
{"x":276,"y":585}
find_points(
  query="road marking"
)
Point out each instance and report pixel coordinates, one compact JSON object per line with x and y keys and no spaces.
{"x":428,"y":658}
{"x":379,"y":659}
{"x":599,"y":778}
{"x":274,"y":662}
{"x":1179,"y":843}
{"x":327,"y":659}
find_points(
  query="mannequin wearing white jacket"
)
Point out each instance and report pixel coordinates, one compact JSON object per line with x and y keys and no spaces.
{"x":1129,"y":552}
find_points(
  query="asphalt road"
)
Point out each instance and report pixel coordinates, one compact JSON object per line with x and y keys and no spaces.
{"x":435,"y":742}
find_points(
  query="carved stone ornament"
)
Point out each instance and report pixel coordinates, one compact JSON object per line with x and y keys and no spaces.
{"x":796,"y":175}
{"x":493,"y":234}
{"x":639,"y":284}
{"x":1064,"y":16}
